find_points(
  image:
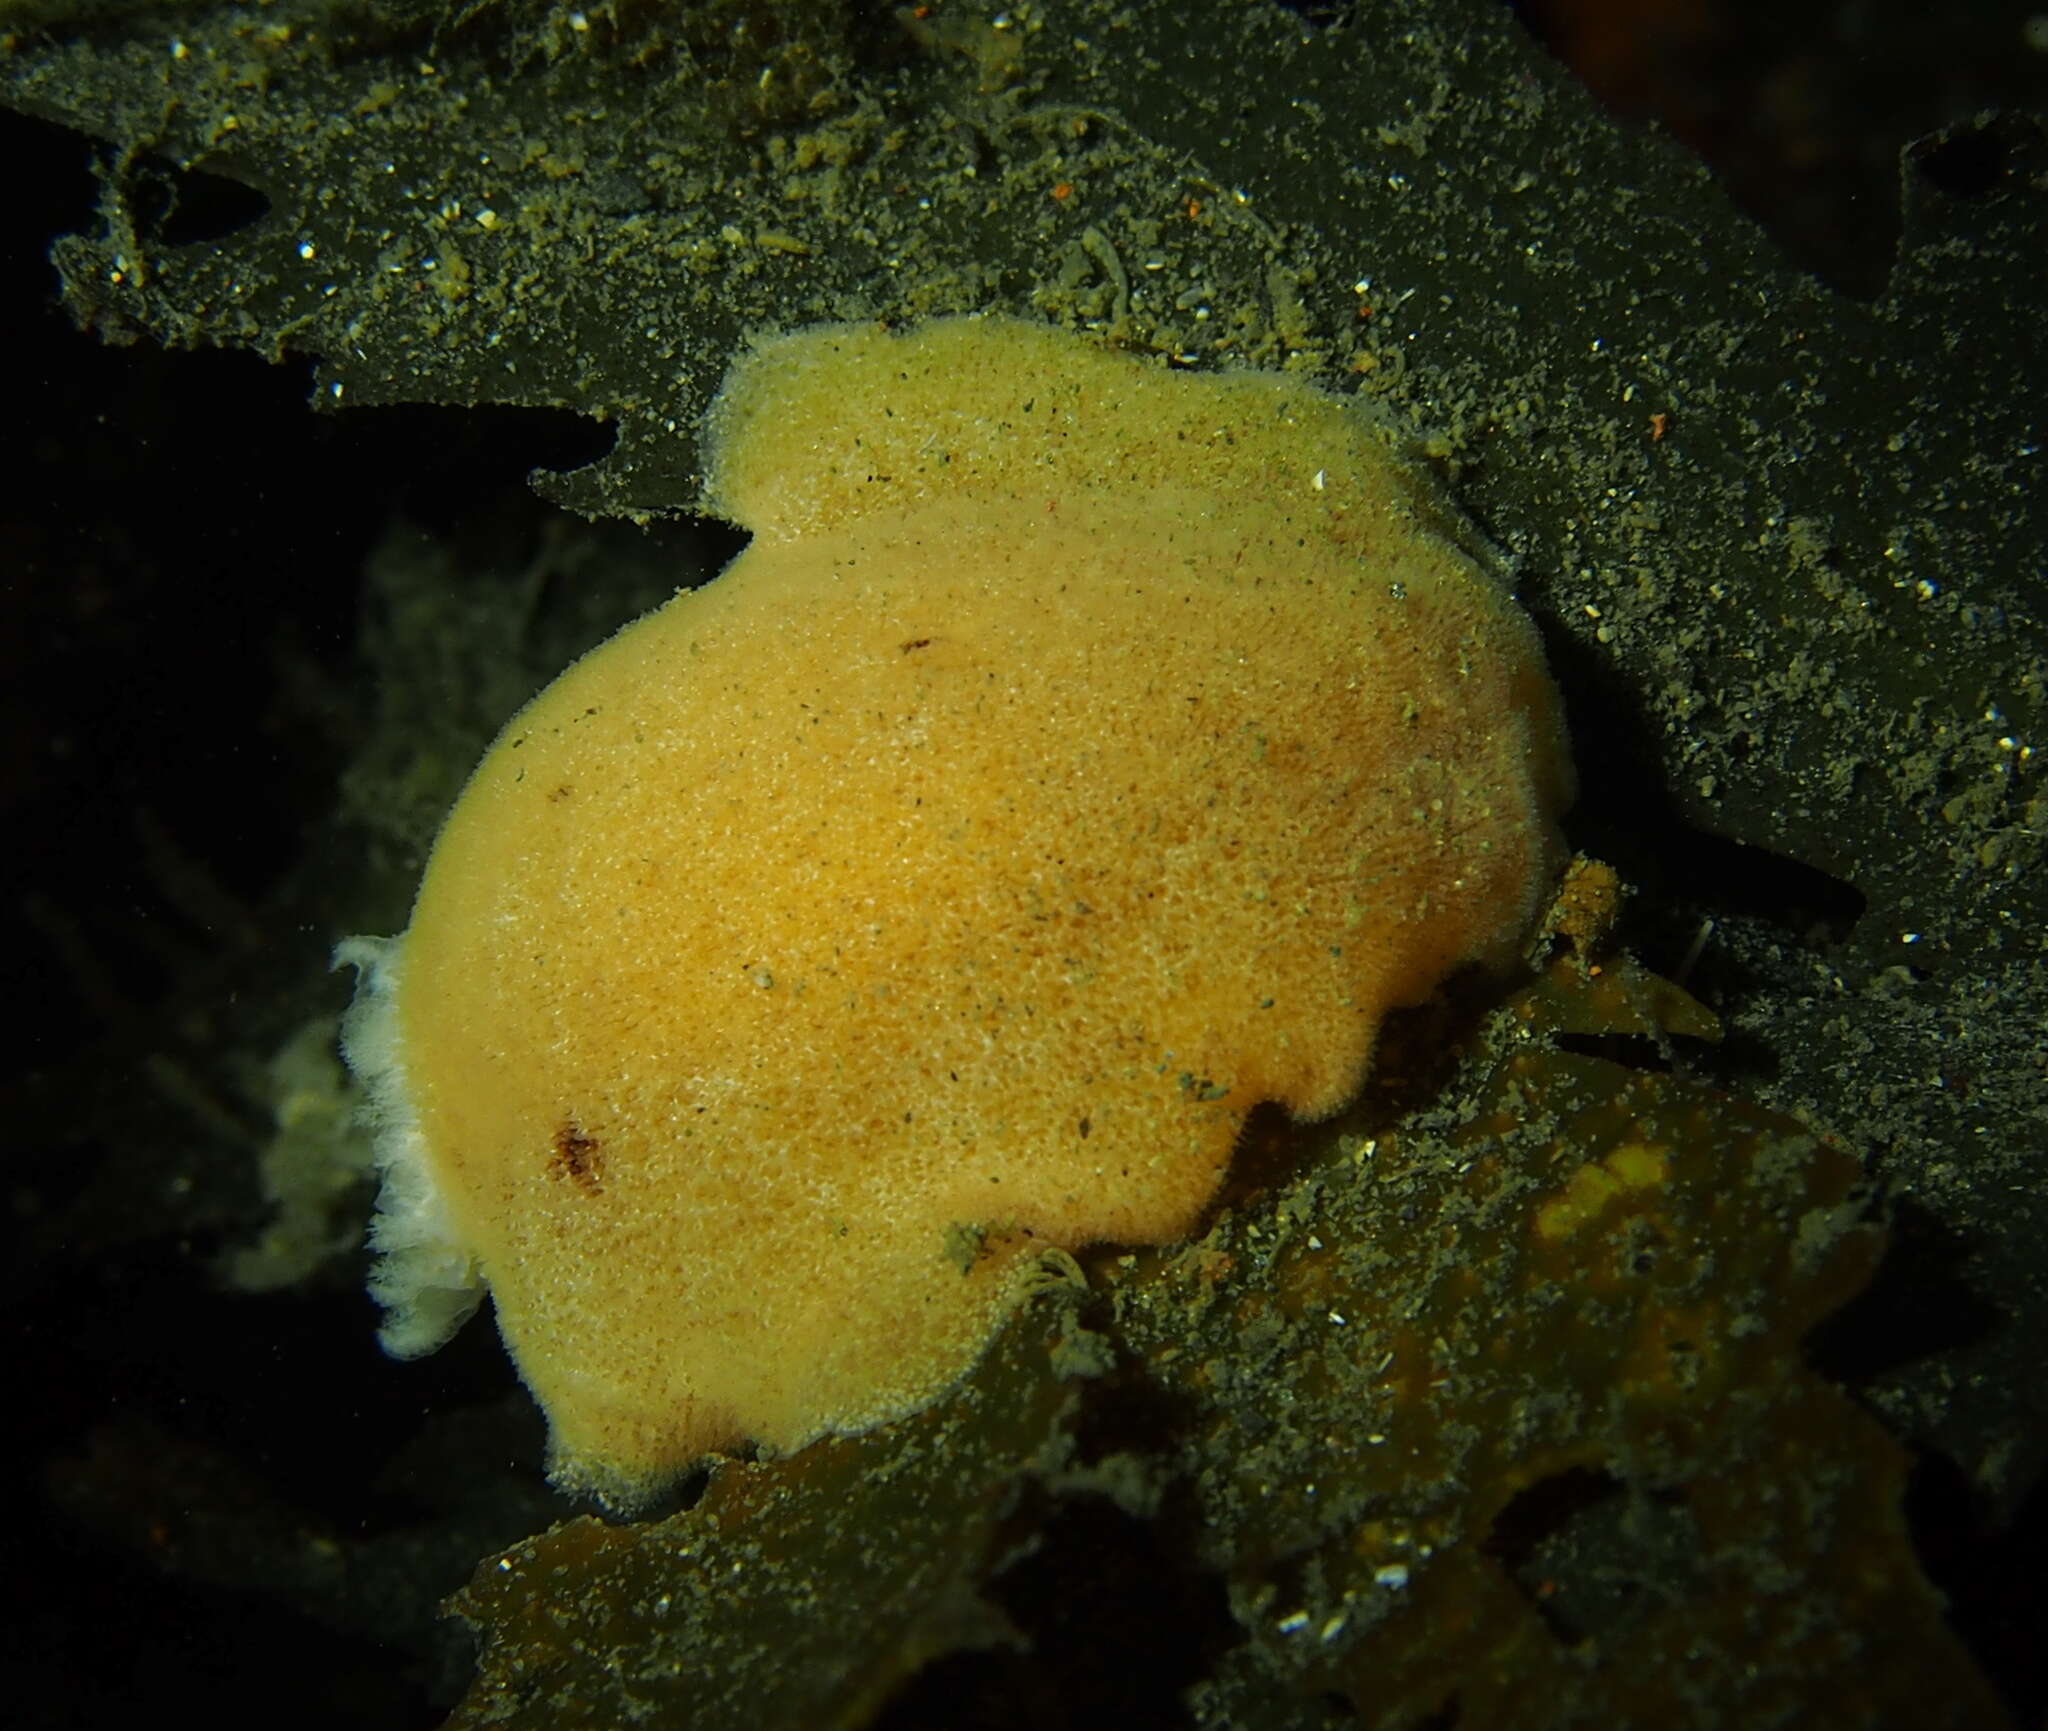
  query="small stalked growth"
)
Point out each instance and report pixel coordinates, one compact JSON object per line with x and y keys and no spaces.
{"x":1081,"y":754}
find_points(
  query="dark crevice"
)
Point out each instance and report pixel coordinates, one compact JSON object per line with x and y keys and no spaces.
{"x":1920,"y":1303}
{"x":1594,"y":1555}
{"x":1625,"y":816}
{"x":1963,"y":162}
{"x":1636,"y":1051}
{"x":177,"y":207}
{"x":1990,"y":1577}
{"x":1115,"y":1620}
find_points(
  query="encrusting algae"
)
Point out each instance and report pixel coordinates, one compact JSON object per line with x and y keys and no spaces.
{"x":1080,"y":755}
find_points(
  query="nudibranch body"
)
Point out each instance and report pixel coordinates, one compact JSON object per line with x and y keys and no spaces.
{"x":1080,"y":754}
